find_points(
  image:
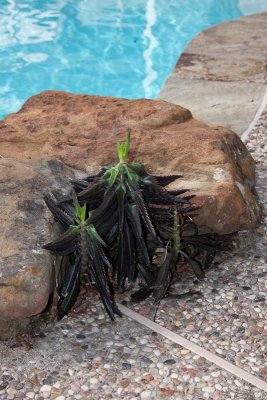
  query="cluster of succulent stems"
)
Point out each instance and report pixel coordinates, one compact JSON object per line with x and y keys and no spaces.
{"x":114,"y":225}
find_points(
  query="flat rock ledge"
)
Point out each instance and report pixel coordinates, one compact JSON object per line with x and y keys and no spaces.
{"x":27,"y":273}
{"x":79,"y":131}
{"x":221,"y":75}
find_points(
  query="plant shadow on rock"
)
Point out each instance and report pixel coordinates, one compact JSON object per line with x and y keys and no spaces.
{"x":122,"y":224}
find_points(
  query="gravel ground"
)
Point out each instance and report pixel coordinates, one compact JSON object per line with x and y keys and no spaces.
{"x":85,"y":356}
{"x":230,"y":317}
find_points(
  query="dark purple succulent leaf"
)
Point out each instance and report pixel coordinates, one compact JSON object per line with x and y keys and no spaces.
{"x":61,"y":216}
{"x":166,"y":180}
{"x":70,"y":288}
{"x":65,"y":245}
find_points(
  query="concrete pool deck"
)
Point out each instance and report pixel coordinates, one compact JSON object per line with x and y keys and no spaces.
{"x":222,"y":74}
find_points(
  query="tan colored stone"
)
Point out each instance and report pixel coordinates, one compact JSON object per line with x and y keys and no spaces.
{"x":221,"y":75}
{"x":26,"y":271}
{"x":80,"y":130}
{"x":263,"y":371}
{"x":232,"y":104}
{"x":230,"y":51}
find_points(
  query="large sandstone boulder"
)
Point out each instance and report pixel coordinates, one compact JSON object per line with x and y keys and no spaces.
{"x":26,"y":271}
{"x":80,"y":130}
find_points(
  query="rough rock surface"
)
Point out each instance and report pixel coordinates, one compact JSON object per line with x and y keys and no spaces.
{"x":80,"y":130}
{"x":26,"y":271}
{"x":230,"y":51}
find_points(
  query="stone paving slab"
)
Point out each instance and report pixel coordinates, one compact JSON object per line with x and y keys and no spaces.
{"x":221,"y":75}
{"x":229,"y":104}
{"x":230,"y":51}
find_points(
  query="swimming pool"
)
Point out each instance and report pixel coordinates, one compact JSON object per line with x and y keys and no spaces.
{"x":122,"y":48}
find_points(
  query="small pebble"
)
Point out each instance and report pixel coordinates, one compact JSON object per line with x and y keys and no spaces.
{"x":126,"y":365}
{"x":80,"y":336}
{"x":208,"y":389}
{"x":146,"y":395}
{"x":190,"y":327}
{"x":170,"y":361}
{"x":31,"y":395}
{"x":45,"y":388}
{"x":11,"y":391}
{"x":93,"y":381}
{"x":146,"y":360}
{"x":184,"y":351}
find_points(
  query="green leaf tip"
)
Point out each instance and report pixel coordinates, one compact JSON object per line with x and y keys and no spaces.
{"x":123,"y":148}
{"x":80,"y":211}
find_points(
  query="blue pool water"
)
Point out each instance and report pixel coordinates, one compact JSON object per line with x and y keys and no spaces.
{"x":123,"y":48}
